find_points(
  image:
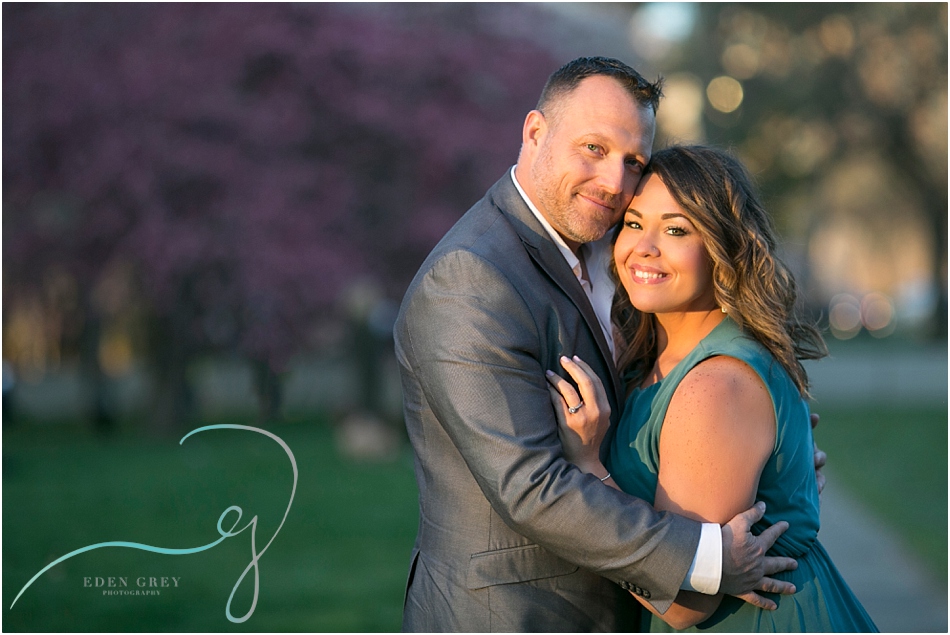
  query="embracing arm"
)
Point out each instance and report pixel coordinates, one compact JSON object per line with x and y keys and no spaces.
{"x":717,"y":435}
{"x":744,"y":563}
{"x":476,"y":350}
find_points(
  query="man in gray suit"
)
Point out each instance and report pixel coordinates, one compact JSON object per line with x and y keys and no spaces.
{"x":511,"y":536}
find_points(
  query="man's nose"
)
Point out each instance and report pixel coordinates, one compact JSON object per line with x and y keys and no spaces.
{"x":614,"y":177}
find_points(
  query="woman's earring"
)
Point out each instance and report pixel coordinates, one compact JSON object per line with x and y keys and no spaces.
{"x":723,"y":309}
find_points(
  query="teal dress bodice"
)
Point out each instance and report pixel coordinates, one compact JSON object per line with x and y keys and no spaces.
{"x":823,"y":601}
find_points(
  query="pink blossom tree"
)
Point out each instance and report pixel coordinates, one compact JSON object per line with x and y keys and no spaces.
{"x":247,"y":161}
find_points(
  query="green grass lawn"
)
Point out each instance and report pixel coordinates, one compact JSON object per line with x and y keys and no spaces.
{"x":894,"y":460}
{"x":339,"y":563}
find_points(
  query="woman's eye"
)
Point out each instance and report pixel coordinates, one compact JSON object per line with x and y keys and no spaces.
{"x":676,"y":231}
{"x":632,"y":224}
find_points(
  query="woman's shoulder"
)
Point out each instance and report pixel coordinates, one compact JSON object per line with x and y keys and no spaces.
{"x":724,"y":361}
{"x":730,"y":341}
{"x":728,"y":338}
{"x":723,"y":381}
{"x":728,"y":373}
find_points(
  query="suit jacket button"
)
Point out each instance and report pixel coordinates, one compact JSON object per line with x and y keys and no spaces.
{"x":624,"y":585}
{"x":646,"y":594}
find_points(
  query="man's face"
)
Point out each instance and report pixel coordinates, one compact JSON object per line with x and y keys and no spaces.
{"x":584,"y":159}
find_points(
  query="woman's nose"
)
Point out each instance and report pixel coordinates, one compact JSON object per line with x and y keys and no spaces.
{"x":646,"y":246}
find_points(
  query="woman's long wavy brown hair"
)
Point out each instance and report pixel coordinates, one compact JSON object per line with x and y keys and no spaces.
{"x":751,"y":283}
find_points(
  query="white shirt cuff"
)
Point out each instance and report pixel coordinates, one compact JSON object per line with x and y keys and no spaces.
{"x":705,"y":573}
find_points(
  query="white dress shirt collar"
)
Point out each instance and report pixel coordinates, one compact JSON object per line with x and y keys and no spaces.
{"x":569,"y":255}
{"x":599,"y":286}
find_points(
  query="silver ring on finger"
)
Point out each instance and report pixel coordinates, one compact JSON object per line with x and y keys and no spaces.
{"x":574,"y":409}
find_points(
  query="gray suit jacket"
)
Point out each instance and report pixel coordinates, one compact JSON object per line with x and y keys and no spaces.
{"x":511,"y":536}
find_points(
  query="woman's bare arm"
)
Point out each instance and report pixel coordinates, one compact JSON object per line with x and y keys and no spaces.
{"x":718,"y":434}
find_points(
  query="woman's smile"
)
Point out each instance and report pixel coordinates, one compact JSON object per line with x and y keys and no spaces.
{"x":647,"y":275}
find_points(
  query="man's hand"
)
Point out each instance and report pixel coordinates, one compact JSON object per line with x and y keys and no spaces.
{"x":745,"y":566}
{"x":820,"y":459}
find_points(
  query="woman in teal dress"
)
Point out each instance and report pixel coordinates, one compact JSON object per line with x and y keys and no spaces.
{"x":716,"y":416}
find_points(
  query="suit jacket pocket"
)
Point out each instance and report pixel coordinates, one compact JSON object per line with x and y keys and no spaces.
{"x":515,"y":564}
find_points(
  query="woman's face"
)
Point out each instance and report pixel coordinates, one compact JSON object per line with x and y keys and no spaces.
{"x":660,"y":256}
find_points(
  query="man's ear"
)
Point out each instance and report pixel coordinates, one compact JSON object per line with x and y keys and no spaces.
{"x":535,"y":127}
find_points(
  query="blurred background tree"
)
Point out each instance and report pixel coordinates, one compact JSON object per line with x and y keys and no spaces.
{"x":247,"y":182}
{"x":183,"y":179}
{"x":841,"y":112}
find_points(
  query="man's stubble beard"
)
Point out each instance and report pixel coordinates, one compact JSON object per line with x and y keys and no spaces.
{"x":562,"y":214}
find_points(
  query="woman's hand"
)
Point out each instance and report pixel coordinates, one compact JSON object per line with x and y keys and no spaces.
{"x":581,"y":431}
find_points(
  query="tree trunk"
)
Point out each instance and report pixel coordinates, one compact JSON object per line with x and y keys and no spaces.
{"x":102,"y":416}
{"x":939,"y":228}
{"x":173,"y":405}
{"x":267,"y":385}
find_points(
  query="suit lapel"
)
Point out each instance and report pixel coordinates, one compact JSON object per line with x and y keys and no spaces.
{"x":545,"y":253}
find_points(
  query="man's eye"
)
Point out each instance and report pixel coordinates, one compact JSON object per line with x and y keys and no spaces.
{"x":593,"y":147}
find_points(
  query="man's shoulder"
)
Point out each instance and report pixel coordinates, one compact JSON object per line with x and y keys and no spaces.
{"x":485,"y":252}
{"x":481,"y":257}
{"x":491,"y":229}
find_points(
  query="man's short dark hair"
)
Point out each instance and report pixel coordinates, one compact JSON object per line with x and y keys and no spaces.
{"x":566,"y":79}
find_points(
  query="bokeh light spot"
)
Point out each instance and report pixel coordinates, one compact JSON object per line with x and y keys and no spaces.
{"x":740,"y":60}
{"x":877,"y":314}
{"x":844,"y":316}
{"x":724,"y":94}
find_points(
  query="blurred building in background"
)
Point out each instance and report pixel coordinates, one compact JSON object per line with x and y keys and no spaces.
{"x":228,"y":200}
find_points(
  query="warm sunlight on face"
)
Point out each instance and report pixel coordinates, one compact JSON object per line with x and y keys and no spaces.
{"x":661,"y":259}
{"x":590,"y":153}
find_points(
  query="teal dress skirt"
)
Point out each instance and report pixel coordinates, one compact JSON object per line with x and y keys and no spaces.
{"x":823,"y":602}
